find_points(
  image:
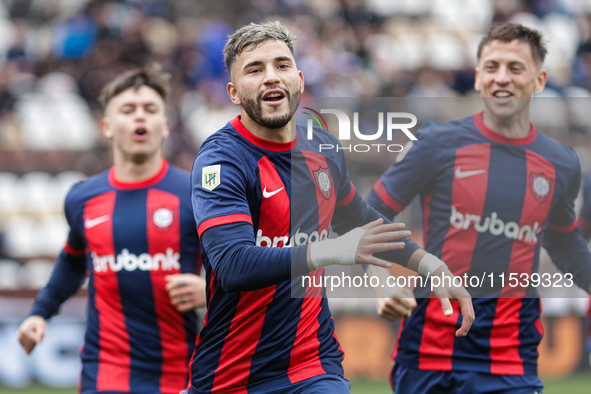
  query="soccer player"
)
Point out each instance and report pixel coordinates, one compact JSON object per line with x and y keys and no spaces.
{"x":132,"y":228}
{"x":493,"y":188}
{"x":263,"y":199}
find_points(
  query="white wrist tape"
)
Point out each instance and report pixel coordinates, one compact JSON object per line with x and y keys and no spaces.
{"x":339,"y":251}
{"x":429,"y":264}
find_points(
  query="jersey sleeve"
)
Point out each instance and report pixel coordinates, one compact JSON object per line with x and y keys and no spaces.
{"x":564,"y":241}
{"x":562,"y":216}
{"x":218,"y":188}
{"x":584,"y":221}
{"x":351,"y":211}
{"x":70,"y":268}
{"x":346,"y":191}
{"x":358,"y":213}
{"x":75,"y":244}
{"x":413,"y":170}
{"x":240,"y":266}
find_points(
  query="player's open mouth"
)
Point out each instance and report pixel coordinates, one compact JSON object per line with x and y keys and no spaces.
{"x":274,"y":96}
{"x":140,"y":133}
{"x":502,"y":96}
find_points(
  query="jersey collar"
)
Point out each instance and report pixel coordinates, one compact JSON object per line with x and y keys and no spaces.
{"x":528,"y":139}
{"x":141,"y":184}
{"x":261,"y":143}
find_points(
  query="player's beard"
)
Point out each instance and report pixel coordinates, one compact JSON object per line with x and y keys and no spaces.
{"x":254,"y":109}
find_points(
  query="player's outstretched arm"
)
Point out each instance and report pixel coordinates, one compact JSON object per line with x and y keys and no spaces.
{"x":65,"y":280}
{"x":31,"y":332}
{"x":358,"y":246}
{"x":240,"y":265}
{"x":67,"y":277}
{"x":70,"y":267}
{"x":186,"y":291}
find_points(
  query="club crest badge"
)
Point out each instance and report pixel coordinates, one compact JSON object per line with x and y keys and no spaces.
{"x":322,"y":177}
{"x":163,"y":218}
{"x":211,"y":177}
{"x":540,"y":186}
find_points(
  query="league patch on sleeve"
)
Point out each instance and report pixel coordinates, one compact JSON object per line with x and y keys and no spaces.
{"x":211,"y":176}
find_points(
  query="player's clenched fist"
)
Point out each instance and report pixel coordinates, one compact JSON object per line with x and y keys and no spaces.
{"x":31,"y":332}
{"x":186,"y":291}
{"x":392,"y":302}
{"x":396,"y":307}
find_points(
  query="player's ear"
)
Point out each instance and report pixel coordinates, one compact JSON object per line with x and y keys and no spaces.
{"x":233,"y":93}
{"x":302,"y":81}
{"x":477,"y":84}
{"x":166,"y":131}
{"x":541,"y":80}
{"x":106,"y":127}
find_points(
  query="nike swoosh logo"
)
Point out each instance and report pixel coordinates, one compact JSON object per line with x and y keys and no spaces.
{"x":267,"y":194}
{"x":90,"y":223}
{"x":465,"y":174}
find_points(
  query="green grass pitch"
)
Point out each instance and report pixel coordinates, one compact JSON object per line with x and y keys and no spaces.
{"x":579,"y":383}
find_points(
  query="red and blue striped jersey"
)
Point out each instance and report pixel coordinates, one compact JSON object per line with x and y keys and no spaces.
{"x":129,"y":236}
{"x":257,"y":205}
{"x":263,"y":335}
{"x":488,"y":204}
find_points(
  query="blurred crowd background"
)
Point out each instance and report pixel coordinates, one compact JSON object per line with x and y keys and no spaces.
{"x":56,"y":55}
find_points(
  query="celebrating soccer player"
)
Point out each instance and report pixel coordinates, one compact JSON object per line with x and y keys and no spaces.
{"x":258,"y":188}
{"x":493,"y":188}
{"x":133,"y":227}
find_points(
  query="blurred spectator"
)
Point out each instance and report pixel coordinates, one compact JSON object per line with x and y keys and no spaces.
{"x":347,"y":48}
{"x":209,"y":65}
{"x":73,"y":38}
{"x":3,"y":254}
